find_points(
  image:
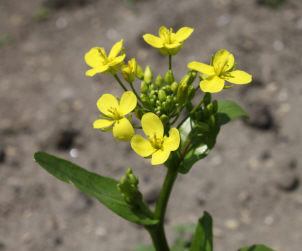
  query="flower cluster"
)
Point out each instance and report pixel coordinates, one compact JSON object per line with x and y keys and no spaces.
{"x":162,"y":99}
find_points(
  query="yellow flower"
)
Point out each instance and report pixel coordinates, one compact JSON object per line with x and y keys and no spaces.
{"x":168,"y":43}
{"x":100,"y":62}
{"x":129,"y":70}
{"x":157,"y":145}
{"x":114,"y":114}
{"x":222,"y":69}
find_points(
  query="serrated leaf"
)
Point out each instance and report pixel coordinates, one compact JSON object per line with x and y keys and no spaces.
{"x":203,"y":237}
{"x":202,"y":143}
{"x":228,"y":110}
{"x":102,"y":188}
{"x":256,"y":247}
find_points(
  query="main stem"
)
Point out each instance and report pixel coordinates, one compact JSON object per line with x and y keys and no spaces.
{"x":157,"y":232}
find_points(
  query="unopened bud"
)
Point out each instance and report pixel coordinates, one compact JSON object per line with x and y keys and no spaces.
{"x":207,"y":98}
{"x":203,"y":127}
{"x":164,"y":118}
{"x":212,"y":121}
{"x":169,"y":78}
{"x":174,"y":87}
{"x":168,"y":89}
{"x":144,"y":87}
{"x":182,"y":92}
{"x":191,"y":92}
{"x":159,"y":81}
{"x":148,"y":76}
{"x":139,"y":72}
{"x":162,"y":95}
{"x":215,"y":106}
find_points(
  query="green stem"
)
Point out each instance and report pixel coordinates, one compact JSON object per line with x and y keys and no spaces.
{"x":170,"y":62}
{"x":157,"y":232}
{"x":120,"y":82}
{"x":133,"y":89}
{"x":192,"y":112}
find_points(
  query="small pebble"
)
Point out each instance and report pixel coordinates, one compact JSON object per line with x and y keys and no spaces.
{"x":269,"y":220}
{"x":231,"y":224}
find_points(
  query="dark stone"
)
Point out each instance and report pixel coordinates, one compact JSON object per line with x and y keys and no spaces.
{"x":65,"y":139}
{"x":265,"y":155}
{"x":60,"y":4}
{"x":58,"y":241}
{"x":2,"y":156}
{"x":289,"y":184}
{"x":2,"y":246}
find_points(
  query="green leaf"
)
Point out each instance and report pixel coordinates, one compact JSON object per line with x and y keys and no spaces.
{"x":102,"y":188}
{"x":201,"y":143}
{"x":203,"y":237}
{"x":257,"y":247}
{"x":228,"y":110}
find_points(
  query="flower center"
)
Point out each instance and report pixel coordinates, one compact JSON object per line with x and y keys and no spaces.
{"x":221,"y":69}
{"x":115,"y":114}
{"x":157,"y":143}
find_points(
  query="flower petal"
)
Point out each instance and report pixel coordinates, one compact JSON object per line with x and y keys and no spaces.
{"x":153,"y":40}
{"x":201,"y":67}
{"x":163,"y":33}
{"x":212,"y":84}
{"x":117,"y":60}
{"x":102,"y":123}
{"x":115,"y":50}
{"x":239,"y":77}
{"x":93,"y":58}
{"x":223,"y":60}
{"x":172,"y":142}
{"x":160,"y":157}
{"x":172,"y":46}
{"x":106,"y":103}
{"x":96,"y":70}
{"x":141,"y":146}
{"x":183,"y":33}
{"x":152,"y":124}
{"x":123,"y":130}
{"x":128,"y":102}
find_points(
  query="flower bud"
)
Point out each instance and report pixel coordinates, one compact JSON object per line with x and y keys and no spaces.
{"x":212,"y":121}
{"x":144,"y":87}
{"x":191,"y":92}
{"x":215,"y":106}
{"x":203,"y":127}
{"x":151,"y":88}
{"x":207,"y":98}
{"x":167,"y":89}
{"x":164,"y":118}
{"x":174,"y":87}
{"x":159,"y":81}
{"x":129,"y":70}
{"x":182,"y":92}
{"x":139,"y":72}
{"x":148,"y":76}
{"x":162,"y":95}
{"x":169,"y":78}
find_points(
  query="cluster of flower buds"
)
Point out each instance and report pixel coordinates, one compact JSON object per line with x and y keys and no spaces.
{"x":206,"y":117}
{"x":165,"y":96}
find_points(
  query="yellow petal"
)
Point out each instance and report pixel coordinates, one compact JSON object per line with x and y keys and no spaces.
{"x":201,"y":67}
{"x":172,"y":46}
{"x":128,"y":102}
{"x":123,"y":130}
{"x":102,"y":123}
{"x":238,"y":77}
{"x":117,"y":60}
{"x":172,"y":142}
{"x":212,"y":84}
{"x":141,"y":146}
{"x":93,"y":58}
{"x":96,"y":70}
{"x":153,"y":40}
{"x":160,"y":157}
{"x":183,"y":33}
{"x":223,"y":61}
{"x":106,"y":103}
{"x":163,"y":33}
{"x":115,"y":50}
{"x":152,"y":124}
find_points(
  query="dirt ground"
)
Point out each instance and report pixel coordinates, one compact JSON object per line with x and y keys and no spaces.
{"x":251,"y":181}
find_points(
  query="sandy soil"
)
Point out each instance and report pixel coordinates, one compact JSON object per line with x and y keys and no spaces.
{"x":250,"y":183}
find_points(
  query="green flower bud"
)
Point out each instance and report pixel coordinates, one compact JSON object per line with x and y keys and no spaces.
{"x":215,"y":106}
{"x":209,"y":107}
{"x":203,"y":127}
{"x":144,"y":87}
{"x":164,"y":118}
{"x":159,"y":81}
{"x":169,"y":78}
{"x":162,"y":95}
{"x":146,"y":101}
{"x":168,"y":89}
{"x":139,"y":72}
{"x":207,"y":98}
{"x":191,"y":92}
{"x":151,"y":88}
{"x":182,"y":92}
{"x":186,"y":78}
{"x":174,"y":87}
{"x":212,"y":121}
{"x":148,"y":76}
